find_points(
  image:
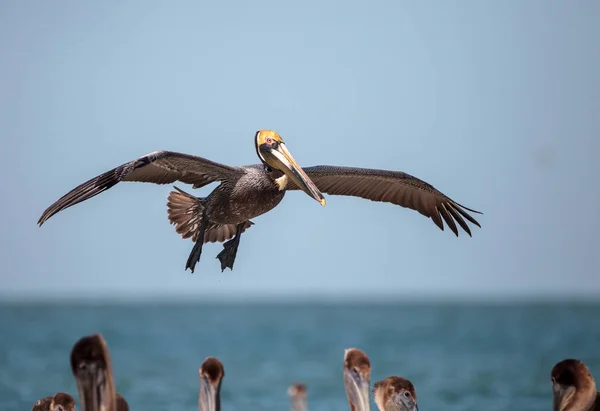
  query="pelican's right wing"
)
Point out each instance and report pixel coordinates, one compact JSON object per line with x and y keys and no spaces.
{"x":159,"y":167}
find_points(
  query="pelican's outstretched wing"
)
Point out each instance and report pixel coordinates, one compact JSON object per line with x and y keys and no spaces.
{"x":393,"y":187}
{"x":159,"y":167}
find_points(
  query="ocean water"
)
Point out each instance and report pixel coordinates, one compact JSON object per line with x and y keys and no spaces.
{"x":460,"y":357}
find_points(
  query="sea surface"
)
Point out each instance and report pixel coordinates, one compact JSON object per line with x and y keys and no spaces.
{"x":460,"y":357}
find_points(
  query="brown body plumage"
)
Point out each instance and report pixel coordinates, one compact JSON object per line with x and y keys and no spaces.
{"x":247,"y":192}
{"x":573,"y":387}
{"x":230,"y":204}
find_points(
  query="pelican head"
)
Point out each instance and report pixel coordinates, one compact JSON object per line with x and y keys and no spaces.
{"x":274,"y":154}
{"x":298,"y":393}
{"x":62,"y":402}
{"x":357,"y":375}
{"x":211,"y":375}
{"x":91,"y":367}
{"x":395,"y":394}
{"x":573,"y":386}
{"x":122,"y":403}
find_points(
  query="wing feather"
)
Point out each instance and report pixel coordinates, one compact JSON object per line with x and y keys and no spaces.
{"x":393,"y":187}
{"x":159,"y":167}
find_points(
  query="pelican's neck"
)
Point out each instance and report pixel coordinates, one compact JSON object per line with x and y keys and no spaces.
{"x":299,"y":404}
{"x":282,"y":182}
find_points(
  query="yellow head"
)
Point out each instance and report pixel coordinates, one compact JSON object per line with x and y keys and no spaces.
{"x":274,"y":154}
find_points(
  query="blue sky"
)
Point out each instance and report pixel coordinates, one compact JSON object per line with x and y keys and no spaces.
{"x":494,"y":103}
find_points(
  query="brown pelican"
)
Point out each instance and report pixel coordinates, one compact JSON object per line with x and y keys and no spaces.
{"x":395,"y":394}
{"x":249,"y":191}
{"x":573,"y":387}
{"x":60,"y":401}
{"x":91,"y":367}
{"x":211,"y":375}
{"x":357,"y":375}
{"x":298,"y":393}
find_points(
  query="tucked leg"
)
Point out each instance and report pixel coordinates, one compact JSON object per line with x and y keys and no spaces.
{"x":197,"y":250}
{"x":227,"y":255}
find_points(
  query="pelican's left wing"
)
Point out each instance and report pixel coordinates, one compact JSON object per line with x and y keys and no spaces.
{"x":393,"y":187}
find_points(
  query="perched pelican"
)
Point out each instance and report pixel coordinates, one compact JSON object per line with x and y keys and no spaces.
{"x":249,"y":191}
{"x":298,"y":394}
{"x":357,"y":375}
{"x":60,"y":401}
{"x":211,"y":375}
{"x":91,"y":367}
{"x":395,"y":394}
{"x":573,"y":387}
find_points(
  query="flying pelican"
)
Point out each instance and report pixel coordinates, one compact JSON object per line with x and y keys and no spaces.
{"x":395,"y":394}
{"x":61,"y":401}
{"x":250,"y":191}
{"x":298,"y":393}
{"x":211,"y":375}
{"x":573,"y":387}
{"x":357,"y":375}
{"x":91,"y":367}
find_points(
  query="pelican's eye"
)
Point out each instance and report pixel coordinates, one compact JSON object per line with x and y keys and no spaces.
{"x":269,"y":140}
{"x":407,"y":394}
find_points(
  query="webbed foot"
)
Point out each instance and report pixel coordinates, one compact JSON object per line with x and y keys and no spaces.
{"x":227,"y":255}
{"x":194,"y":257}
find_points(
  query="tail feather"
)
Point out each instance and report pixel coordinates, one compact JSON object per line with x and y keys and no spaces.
{"x":224,"y":232}
{"x":185,"y":212}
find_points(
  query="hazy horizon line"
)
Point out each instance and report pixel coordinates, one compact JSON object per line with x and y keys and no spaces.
{"x":297,"y":298}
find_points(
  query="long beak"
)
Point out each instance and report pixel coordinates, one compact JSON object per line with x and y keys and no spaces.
{"x":561,"y":396}
{"x":357,"y":391}
{"x":402,"y":404}
{"x":209,"y":398}
{"x":281,"y":159}
{"x":556,"y":402}
{"x":96,"y":391}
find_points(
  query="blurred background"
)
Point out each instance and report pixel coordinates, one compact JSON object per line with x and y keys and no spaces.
{"x":494,"y":103}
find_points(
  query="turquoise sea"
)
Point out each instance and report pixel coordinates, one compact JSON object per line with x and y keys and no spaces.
{"x":459,"y":356}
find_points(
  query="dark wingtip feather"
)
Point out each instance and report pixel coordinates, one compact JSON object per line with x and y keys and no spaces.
{"x":437,"y":219}
{"x":82,"y":192}
{"x":467,"y":216}
{"x":467,"y":208}
{"x":459,"y":219}
{"x":449,"y":220}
